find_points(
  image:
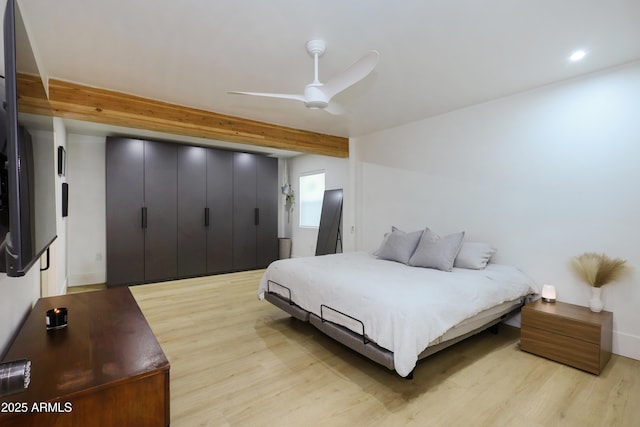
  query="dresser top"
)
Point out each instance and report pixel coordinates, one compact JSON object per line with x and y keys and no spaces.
{"x":570,"y":311}
{"x":107,"y":340}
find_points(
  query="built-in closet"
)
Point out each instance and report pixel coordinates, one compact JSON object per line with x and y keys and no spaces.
{"x":176,"y":211}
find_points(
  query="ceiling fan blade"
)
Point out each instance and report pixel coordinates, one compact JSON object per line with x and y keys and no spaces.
{"x":271,"y":95}
{"x":356,"y":72}
{"x":335,"y":109}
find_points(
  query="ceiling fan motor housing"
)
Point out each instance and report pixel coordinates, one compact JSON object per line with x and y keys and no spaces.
{"x":315,"y":97}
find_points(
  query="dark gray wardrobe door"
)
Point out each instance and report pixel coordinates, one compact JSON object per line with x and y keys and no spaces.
{"x":267,"y":203}
{"x":125,"y":198}
{"x":192,"y":202}
{"x":244,"y":211}
{"x":160,"y":197}
{"x":220,"y":205}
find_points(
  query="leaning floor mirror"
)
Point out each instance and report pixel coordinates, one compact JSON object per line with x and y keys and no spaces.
{"x":329,"y":233}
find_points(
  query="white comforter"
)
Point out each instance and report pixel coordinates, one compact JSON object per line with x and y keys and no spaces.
{"x":403,"y":308}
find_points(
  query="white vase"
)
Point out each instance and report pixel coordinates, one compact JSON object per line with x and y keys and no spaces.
{"x":595,"y":302}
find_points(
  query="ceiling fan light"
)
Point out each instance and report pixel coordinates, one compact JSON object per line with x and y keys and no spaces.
{"x":316,"y":105}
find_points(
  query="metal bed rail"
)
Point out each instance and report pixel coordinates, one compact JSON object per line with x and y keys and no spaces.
{"x":365,"y":340}
{"x":269,"y":282}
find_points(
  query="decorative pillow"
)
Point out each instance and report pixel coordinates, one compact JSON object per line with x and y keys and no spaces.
{"x":474,"y":256}
{"x":399,"y":246}
{"x":384,"y":240}
{"x":437,"y":252}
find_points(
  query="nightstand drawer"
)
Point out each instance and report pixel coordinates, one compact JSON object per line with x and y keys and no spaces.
{"x":574,"y":328}
{"x":574,"y":352}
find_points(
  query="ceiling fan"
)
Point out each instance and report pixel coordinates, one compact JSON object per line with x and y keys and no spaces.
{"x":318,"y":95}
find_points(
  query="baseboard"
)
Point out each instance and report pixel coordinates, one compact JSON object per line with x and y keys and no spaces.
{"x":93,"y":278}
{"x":626,"y":345}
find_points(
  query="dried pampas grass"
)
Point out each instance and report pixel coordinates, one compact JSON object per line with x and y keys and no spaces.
{"x":598,"y":269}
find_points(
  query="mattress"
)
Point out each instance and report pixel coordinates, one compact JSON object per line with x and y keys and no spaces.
{"x":402,"y":309}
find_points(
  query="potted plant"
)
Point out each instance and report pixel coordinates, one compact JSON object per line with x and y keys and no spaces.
{"x":598,"y":270}
{"x":290,"y":198}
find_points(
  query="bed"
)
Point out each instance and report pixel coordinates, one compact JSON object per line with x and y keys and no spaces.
{"x":390,"y":312}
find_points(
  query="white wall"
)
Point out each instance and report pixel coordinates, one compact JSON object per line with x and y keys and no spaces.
{"x":18,"y":296}
{"x":58,"y":251}
{"x":87,"y":212}
{"x":544,"y":176}
{"x":336,"y":176}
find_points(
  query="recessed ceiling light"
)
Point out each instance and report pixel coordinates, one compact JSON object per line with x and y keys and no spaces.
{"x":577,"y":55}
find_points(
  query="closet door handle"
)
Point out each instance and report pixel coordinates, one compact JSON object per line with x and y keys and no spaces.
{"x":256,"y":214}
{"x":144,"y":217}
{"x":206,"y":217}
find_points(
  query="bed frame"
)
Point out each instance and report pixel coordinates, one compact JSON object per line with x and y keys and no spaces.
{"x":363,"y":345}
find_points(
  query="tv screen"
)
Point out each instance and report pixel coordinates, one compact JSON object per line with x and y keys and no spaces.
{"x":27,"y":192}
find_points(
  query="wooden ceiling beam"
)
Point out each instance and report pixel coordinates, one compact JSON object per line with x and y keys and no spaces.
{"x":79,"y":102}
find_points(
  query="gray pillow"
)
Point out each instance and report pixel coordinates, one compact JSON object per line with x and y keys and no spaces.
{"x":437,"y":252}
{"x":384,"y":240}
{"x":474,"y":256}
{"x":399,"y":246}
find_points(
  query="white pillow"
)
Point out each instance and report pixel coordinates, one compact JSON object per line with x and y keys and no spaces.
{"x":474,"y":256}
{"x":437,"y":252}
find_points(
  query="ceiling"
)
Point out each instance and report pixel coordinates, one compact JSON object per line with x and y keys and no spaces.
{"x":435,"y":55}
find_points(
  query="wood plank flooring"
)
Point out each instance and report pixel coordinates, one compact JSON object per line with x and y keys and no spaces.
{"x":237,"y":361}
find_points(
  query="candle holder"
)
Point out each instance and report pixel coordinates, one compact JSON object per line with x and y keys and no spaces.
{"x":56,"y":318}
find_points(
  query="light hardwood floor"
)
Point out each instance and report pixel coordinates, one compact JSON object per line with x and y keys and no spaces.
{"x":237,"y":361}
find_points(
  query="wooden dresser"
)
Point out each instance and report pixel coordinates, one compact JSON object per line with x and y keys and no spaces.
{"x":105,"y":368}
{"x":567,"y":333}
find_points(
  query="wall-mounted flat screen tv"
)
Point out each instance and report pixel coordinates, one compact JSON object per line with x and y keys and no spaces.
{"x":27,"y":162}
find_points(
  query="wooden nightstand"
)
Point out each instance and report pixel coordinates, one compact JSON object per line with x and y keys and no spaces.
{"x":567,"y":333}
